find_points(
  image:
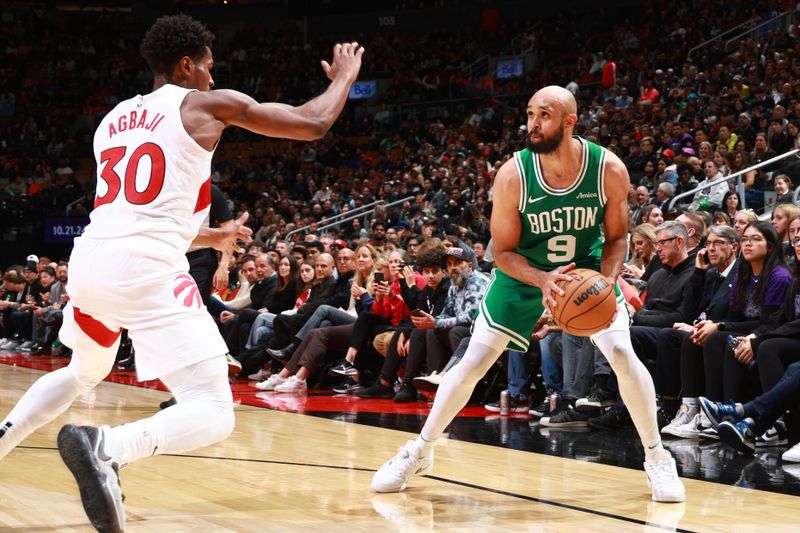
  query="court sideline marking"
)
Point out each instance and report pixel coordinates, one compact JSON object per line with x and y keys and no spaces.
{"x":437,"y":478}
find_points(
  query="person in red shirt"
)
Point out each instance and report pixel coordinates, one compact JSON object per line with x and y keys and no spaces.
{"x":649,"y":93}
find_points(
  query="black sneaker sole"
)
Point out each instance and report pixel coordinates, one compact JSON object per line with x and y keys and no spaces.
{"x":729,"y":435}
{"x":76,"y":450}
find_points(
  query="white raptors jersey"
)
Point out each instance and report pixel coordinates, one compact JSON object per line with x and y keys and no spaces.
{"x":153,"y":179}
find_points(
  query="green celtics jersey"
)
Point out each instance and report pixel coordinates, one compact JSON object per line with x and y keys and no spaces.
{"x":560,"y":226}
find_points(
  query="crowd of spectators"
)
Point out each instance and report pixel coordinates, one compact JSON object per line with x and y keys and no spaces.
{"x":401,"y":284}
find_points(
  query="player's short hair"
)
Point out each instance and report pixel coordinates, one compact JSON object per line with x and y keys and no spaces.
{"x":172,"y":37}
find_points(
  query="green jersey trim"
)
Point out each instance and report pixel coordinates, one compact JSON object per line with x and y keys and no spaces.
{"x":581,"y":173}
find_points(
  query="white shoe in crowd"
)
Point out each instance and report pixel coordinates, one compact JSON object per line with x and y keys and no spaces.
{"x":662,"y":477}
{"x":684,"y":416}
{"x":270,"y":383}
{"x":293,"y":384}
{"x":393,"y":475}
{"x":792,"y":455}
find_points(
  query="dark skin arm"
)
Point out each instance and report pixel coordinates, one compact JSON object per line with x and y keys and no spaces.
{"x":206,"y":114}
{"x":615,"y":222}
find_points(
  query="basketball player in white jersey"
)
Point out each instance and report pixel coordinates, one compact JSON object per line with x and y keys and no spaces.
{"x":128,"y":270}
{"x":561,"y":163}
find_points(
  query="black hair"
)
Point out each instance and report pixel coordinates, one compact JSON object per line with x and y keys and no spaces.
{"x":301,"y":250}
{"x":50,"y":270}
{"x":773,"y":260}
{"x":315,"y":244}
{"x":433,"y":258}
{"x":172,"y":37}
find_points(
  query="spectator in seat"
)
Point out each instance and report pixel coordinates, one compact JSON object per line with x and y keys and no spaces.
{"x":330,"y":291}
{"x":318,"y":345}
{"x":432,"y":347}
{"x":679,"y":362}
{"x":388,"y":311}
{"x":430,"y":299}
{"x":48,"y":314}
{"x":361,"y":299}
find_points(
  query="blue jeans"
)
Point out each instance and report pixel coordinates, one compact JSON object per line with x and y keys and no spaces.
{"x":771,"y":405}
{"x":519,"y":369}
{"x":551,"y":368}
{"x":578,"y":364}
{"x":262,"y":325}
{"x":325,"y":316}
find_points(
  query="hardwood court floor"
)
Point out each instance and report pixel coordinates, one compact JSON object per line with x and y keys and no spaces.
{"x":283,"y":471}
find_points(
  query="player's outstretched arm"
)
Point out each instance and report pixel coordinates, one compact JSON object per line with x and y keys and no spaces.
{"x":615,"y":222}
{"x":307,"y":122}
{"x":506,"y":229}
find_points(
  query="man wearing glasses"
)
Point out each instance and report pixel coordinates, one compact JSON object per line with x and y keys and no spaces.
{"x":665,"y":292}
{"x":706,"y":301}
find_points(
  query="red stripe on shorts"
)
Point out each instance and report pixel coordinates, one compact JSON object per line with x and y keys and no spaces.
{"x":95,"y":329}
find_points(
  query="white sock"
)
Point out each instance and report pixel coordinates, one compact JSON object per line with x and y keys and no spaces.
{"x":691,"y":402}
{"x":423,"y":446}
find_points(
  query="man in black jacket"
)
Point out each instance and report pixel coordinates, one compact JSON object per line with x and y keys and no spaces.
{"x":333,"y":292}
{"x":706,"y":297}
{"x":665,"y":292}
{"x":235,"y":328}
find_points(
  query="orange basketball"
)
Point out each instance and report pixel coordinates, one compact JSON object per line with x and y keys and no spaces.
{"x":588,"y":305}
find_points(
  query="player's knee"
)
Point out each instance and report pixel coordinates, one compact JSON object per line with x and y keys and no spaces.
{"x":620,"y":357}
{"x":221,"y":424}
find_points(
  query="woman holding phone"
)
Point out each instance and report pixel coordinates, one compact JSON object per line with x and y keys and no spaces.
{"x":388,"y":311}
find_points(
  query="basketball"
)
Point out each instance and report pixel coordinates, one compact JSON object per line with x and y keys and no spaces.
{"x":588,"y":304}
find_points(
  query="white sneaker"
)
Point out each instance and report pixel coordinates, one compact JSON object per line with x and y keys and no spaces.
{"x":684,"y":415}
{"x":261,"y":375}
{"x":792,"y":455}
{"x":662,"y":478}
{"x":270,"y":383}
{"x":293,"y":384}
{"x":393,"y":475}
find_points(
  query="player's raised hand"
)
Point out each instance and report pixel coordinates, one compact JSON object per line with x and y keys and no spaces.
{"x":346,"y":62}
{"x":230,"y":234}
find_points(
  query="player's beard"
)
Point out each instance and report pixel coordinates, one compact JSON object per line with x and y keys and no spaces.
{"x":547,"y":145}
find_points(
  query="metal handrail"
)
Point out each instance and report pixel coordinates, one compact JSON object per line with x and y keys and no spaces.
{"x":349,"y":218}
{"x":68,"y":209}
{"x":334,"y":217}
{"x":735,"y":175}
{"x":753,"y":29}
{"x":720,"y":36}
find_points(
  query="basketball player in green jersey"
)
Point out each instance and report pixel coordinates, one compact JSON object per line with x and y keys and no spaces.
{"x":549,"y":202}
